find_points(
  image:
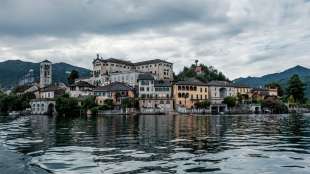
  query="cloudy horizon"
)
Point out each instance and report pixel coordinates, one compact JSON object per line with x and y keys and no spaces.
{"x":240,"y":38}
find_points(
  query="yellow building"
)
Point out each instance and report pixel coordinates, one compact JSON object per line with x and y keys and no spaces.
{"x":187,"y":93}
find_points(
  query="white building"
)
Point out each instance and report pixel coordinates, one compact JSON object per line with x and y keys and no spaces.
{"x":103,"y":68}
{"x":154,"y":95}
{"x":218,"y":90}
{"x":131,"y":78}
{"x":80,"y":89}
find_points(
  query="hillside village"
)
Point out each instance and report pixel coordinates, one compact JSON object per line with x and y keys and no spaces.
{"x":150,"y":86}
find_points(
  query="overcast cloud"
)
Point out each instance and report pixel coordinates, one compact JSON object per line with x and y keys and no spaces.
{"x":239,"y":37}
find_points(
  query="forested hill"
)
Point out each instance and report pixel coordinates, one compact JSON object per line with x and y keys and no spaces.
{"x":201,"y":72}
{"x":12,"y":71}
{"x":281,"y":78}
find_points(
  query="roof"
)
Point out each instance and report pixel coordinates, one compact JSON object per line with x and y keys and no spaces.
{"x":22,"y":88}
{"x":221,"y":83}
{"x":191,"y":81}
{"x":51,"y":88}
{"x":46,"y":61}
{"x":162,"y":83}
{"x":83,"y":84}
{"x":241,"y":85}
{"x":153,"y":61}
{"x":125,"y":62}
{"x":146,"y":76}
{"x":120,"y":61}
{"x":115,"y":86}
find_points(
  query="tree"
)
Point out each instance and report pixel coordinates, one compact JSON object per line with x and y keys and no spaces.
{"x":230,"y":101}
{"x":203,"y":104}
{"x":66,"y":105}
{"x":275,"y":105}
{"x":277,"y":86}
{"x":88,"y":103}
{"x":296,"y":89}
{"x":73,"y":76}
{"x":129,"y":103}
{"x":109,"y":103}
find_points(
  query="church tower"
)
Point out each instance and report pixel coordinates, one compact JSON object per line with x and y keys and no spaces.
{"x":45,"y":73}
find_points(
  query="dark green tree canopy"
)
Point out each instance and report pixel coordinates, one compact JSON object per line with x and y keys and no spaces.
{"x":208,"y":73}
{"x":73,"y":76}
{"x":230,"y":101}
{"x":296,"y":89}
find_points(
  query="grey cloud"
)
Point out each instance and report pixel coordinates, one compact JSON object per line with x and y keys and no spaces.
{"x":240,"y":38}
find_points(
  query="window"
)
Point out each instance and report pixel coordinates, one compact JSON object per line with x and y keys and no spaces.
{"x":179,"y":88}
{"x":141,"y":88}
{"x":205,"y":89}
{"x":200,"y":89}
{"x":179,"y":95}
{"x":167,"y":102}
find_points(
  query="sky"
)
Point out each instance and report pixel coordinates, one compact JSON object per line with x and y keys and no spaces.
{"x":238,"y":37}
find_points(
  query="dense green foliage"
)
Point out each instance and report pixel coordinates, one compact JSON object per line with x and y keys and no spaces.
{"x":88,"y":103}
{"x":203,"y":104}
{"x":276,"y":106}
{"x":230,"y":101}
{"x":130,"y":103}
{"x":73,"y":76}
{"x":108,"y":105}
{"x":209,"y":73}
{"x":296,"y":89}
{"x":67,"y":106}
{"x":12,"y":71}
{"x":13,"y":102}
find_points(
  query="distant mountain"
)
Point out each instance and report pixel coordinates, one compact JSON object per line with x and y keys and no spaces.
{"x":282,"y":78}
{"x":12,"y":71}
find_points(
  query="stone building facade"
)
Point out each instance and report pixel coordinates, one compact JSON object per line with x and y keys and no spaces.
{"x":104,"y":68}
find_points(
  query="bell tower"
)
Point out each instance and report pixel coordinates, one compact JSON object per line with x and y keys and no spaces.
{"x":45,"y":73}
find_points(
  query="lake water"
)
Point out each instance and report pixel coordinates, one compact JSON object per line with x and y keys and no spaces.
{"x":162,"y":144}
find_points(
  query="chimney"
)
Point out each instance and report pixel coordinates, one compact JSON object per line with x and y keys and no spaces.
{"x":97,"y":56}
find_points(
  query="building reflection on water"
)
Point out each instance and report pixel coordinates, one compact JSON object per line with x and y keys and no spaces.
{"x":211,"y":133}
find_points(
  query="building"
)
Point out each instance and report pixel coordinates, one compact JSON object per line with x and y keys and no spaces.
{"x":161,"y":69}
{"x":45,"y":73}
{"x":131,"y":77}
{"x":27,"y":88}
{"x":262,"y":93}
{"x":242,"y":89}
{"x":52,"y":92}
{"x":43,"y":106}
{"x":187,"y":93}
{"x":218,"y":90}
{"x":103,"y":68}
{"x":155,"y":96}
{"x":80,"y":89}
{"x":115,"y":91}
